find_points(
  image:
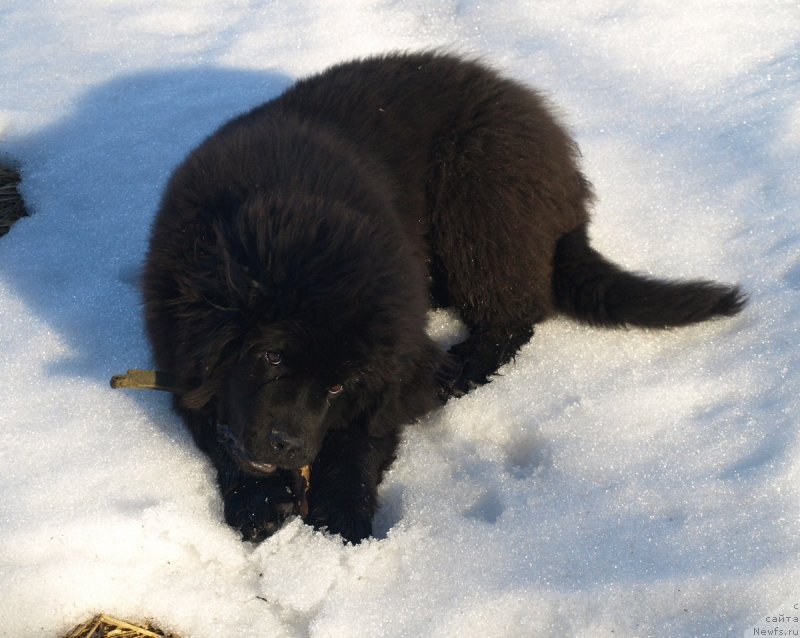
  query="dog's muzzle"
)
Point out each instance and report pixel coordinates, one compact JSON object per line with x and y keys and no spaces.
{"x":233,"y":445}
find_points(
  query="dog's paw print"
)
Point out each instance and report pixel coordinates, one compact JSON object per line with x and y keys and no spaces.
{"x":488,"y":508}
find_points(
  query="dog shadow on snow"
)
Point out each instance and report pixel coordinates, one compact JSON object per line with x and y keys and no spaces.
{"x":92,"y":183}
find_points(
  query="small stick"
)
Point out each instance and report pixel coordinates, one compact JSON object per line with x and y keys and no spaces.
{"x":146,"y":380}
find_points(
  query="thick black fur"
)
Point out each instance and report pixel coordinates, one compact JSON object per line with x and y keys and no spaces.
{"x":297,"y":251}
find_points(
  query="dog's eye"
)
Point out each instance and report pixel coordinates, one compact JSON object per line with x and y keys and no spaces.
{"x":273,"y":358}
{"x":335,"y":389}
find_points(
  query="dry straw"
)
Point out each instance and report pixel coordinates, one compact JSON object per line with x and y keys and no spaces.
{"x":102,"y":626}
{"x":11,"y":205}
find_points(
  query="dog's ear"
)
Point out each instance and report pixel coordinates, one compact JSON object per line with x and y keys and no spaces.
{"x":376,"y":414}
{"x":210,"y":370}
{"x":198,"y":398}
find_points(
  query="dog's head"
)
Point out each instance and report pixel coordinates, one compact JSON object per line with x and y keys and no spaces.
{"x":299,"y":317}
{"x":287,"y":390}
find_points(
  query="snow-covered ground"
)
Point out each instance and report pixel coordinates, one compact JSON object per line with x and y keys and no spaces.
{"x":609,"y":483}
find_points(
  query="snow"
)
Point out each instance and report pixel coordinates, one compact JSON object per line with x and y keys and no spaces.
{"x":608,"y":483}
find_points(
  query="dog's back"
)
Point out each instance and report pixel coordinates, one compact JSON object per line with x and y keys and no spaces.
{"x":487,"y":186}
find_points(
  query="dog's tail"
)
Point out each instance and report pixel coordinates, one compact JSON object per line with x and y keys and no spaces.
{"x":588,"y":287}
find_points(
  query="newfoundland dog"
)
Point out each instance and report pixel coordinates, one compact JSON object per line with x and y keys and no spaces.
{"x":298,"y":249}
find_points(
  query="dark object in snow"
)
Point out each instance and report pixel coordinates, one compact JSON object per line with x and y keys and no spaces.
{"x":298,"y":249}
{"x":102,"y":626}
{"x":12,"y":207}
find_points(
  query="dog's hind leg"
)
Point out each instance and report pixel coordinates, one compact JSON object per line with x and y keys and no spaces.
{"x":494,"y":267}
{"x":504,"y":186}
{"x":478,"y":357}
{"x":500,"y":288}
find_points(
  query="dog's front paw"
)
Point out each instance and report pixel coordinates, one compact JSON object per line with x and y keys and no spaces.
{"x":353,"y":522}
{"x":259,"y":507}
{"x":461,"y":379}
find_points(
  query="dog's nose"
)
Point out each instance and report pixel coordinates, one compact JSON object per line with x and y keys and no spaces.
{"x":285,"y":444}
{"x":228,"y":439}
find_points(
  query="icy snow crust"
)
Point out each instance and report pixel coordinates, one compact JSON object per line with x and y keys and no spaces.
{"x":608,"y":483}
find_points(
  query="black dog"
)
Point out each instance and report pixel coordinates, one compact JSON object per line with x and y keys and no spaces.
{"x":297,"y":251}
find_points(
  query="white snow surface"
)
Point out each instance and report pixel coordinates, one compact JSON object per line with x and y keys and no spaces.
{"x":623,"y":483}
